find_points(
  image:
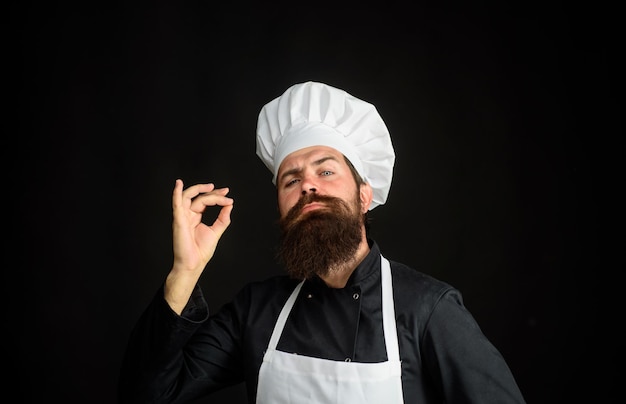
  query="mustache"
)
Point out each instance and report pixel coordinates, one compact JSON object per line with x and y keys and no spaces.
{"x":313,"y":197}
{"x":294,"y":212}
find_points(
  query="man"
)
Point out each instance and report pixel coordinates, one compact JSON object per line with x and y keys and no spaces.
{"x":345,"y":325}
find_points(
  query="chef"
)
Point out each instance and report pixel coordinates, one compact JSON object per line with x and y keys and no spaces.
{"x":344,"y":324}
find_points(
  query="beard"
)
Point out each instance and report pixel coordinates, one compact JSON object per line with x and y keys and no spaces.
{"x":318,"y":241}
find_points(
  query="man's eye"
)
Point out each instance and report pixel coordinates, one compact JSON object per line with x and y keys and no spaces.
{"x":326,"y":172}
{"x":291,"y":182}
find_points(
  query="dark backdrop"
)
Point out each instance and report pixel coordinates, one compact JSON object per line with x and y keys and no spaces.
{"x":505,"y":122}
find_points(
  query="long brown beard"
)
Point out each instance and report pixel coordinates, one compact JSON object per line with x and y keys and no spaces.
{"x":320,"y":240}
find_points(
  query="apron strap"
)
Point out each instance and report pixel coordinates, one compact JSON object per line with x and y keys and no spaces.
{"x":389,"y":315}
{"x":282,"y":318}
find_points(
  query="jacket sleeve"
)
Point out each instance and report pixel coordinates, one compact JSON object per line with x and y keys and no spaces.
{"x":171,"y":358}
{"x":465,"y":365}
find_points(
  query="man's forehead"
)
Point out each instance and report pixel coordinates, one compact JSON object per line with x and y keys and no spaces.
{"x":310,"y":155}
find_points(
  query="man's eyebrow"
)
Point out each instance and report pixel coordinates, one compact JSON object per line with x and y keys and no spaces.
{"x":323,"y":159}
{"x":299,"y":169}
{"x":287,"y":173}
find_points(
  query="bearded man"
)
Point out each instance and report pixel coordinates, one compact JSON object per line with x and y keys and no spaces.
{"x":345,"y":324}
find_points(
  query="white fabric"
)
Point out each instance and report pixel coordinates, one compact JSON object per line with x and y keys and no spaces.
{"x":286,"y":378}
{"x":316,"y":114}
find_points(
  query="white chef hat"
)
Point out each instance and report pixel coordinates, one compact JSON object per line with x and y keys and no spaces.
{"x":316,"y":114}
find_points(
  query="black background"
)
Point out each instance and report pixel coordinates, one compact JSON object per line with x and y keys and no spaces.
{"x":506,"y":120}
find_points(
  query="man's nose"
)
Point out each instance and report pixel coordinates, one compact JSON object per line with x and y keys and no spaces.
{"x":308,"y":185}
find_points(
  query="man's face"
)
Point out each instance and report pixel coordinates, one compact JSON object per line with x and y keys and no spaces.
{"x":321,"y":209}
{"x":320,"y":170}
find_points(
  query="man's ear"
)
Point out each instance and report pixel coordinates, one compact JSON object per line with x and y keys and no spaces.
{"x":366,"y":194}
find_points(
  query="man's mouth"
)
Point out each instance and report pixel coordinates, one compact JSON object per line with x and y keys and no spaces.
{"x":312,"y":206}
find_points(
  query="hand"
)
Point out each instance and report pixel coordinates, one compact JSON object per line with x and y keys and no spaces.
{"x":194,"y":242}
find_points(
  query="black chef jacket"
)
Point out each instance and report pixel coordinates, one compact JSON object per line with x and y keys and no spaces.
{"x":445,"y":356}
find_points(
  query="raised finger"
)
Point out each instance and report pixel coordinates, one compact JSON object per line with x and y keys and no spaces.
{"x":216,"y":197}
{"x":198,"y":189}
{"x":179,"y":195}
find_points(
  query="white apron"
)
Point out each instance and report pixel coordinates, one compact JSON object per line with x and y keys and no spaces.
{"x":286,"y":378}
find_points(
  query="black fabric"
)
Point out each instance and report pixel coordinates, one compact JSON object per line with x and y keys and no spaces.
{"x":445,"y":357}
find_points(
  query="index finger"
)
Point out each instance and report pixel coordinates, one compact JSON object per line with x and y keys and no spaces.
{"x":191,"y":192}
